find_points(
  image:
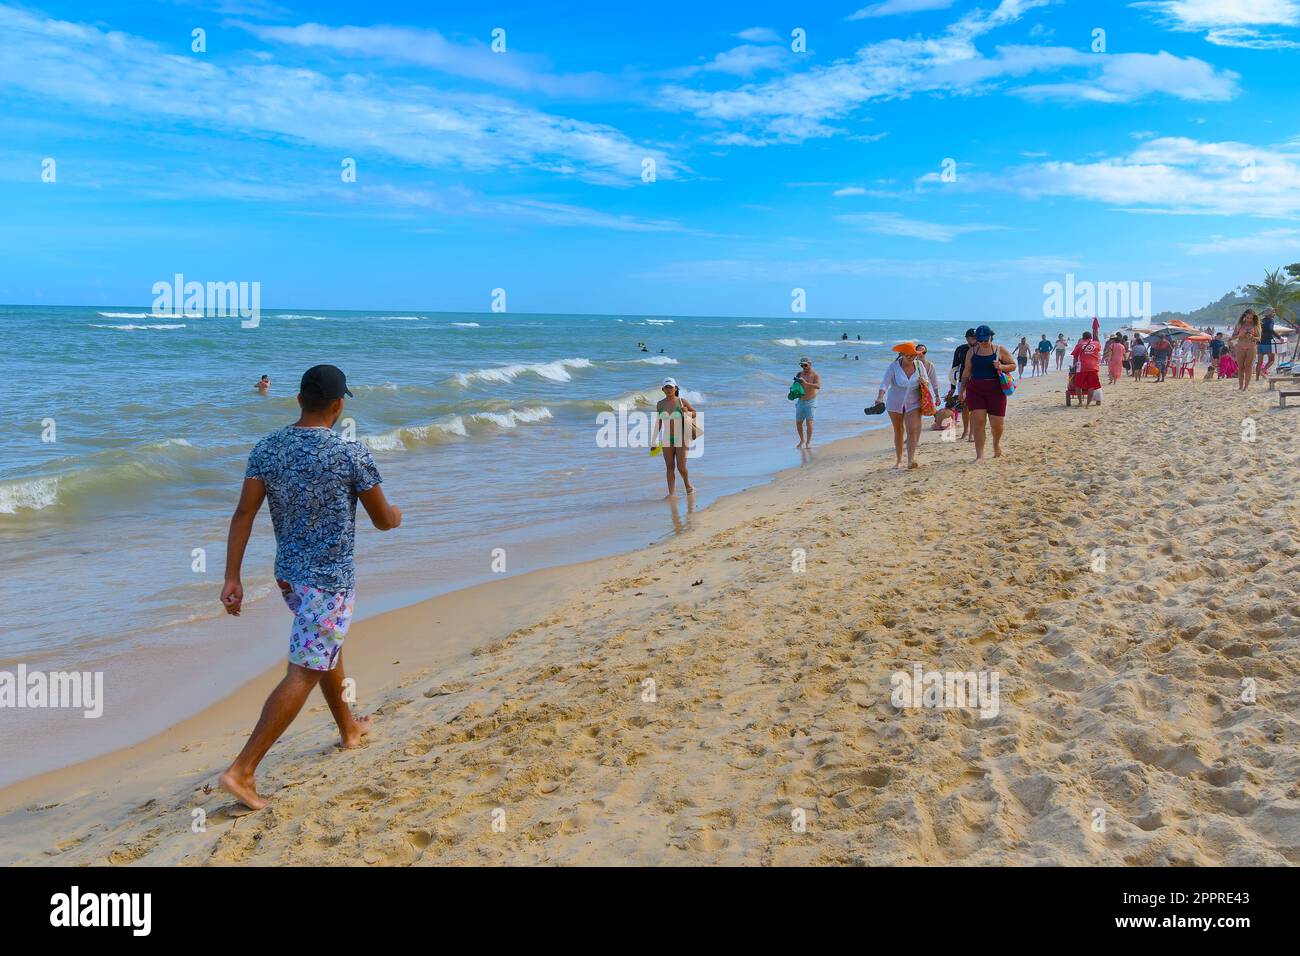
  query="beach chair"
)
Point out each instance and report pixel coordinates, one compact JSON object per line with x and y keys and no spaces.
{"x":1287,"y":391}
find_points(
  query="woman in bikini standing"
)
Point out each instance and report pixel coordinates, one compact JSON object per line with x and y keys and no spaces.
{"x":675,"y":418}
{"x":1245,"y":341}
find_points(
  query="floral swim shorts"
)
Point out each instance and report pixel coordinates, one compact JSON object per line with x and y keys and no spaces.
{"x":320,"y":622}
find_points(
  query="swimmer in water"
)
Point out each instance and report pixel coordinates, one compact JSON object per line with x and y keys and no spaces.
{"x":263,"y":385}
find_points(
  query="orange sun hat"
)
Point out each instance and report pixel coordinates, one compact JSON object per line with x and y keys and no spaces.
{"x":906,"y":348}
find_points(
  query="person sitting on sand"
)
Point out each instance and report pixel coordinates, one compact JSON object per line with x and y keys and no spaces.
{"x":984,"y":397}
{"x":902,"y":382}
{"x":312,"y":480}
{"x":674,"y":429}
{"x":263,"y":384}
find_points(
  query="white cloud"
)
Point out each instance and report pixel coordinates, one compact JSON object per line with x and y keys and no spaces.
{"x":112,"y":74}
{"x":1173,"y":175}
{"x":744,"y":60}
{"x":850,"y":191}
{"x":761,"y":269}
{"x":893,"y":224}
{"x":1205,"y":14}
{"x":1125,"y":77}
{"x":1265,"y":242}
{"x":889,"y":8}
{"x":1246,"y":39}
{"x":1230,"y":23}
{"x":809,"y":104}
{"x":760,"y":35}
{"x":429,"y":48}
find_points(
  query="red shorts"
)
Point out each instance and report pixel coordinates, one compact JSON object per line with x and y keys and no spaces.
{"x":985,"y":394}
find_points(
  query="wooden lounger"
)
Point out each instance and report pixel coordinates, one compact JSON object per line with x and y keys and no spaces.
{"x":1284,"y":393}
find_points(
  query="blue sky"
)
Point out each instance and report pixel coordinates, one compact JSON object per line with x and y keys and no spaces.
{"x":1171,"y":156}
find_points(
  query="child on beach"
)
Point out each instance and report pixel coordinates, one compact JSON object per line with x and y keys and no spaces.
{"x":312,"y":480}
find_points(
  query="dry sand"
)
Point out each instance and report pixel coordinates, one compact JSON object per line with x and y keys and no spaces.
{"x":522,"y":702}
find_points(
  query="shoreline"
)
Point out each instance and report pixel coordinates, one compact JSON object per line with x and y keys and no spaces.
{"x":492,"y":681}
{"x":477,"y":598}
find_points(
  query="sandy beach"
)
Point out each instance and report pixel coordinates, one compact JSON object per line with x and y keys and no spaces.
{"x":1127,"y":572}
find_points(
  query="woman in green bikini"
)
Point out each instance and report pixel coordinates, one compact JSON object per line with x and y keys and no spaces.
{"x":675,"y":418}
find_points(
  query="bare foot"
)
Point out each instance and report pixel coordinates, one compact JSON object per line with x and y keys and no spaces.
{"x":913,"y":464}
{"x":997,"y":452}
{"x":242,"y":790}
{"x":898,"y":465}
{"x":360,"y":727}
{"x":979,"y":458}
{"x":690,"y":489}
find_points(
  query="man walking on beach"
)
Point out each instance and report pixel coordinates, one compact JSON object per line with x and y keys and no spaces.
{"x":959,"y":357}
{"x":312,"y":480}
{"x":805,"y":407}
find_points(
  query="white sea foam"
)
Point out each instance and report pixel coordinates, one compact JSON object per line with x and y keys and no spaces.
{"x":512,"y":417}
{"x":817,"y":343}
{"x":398,"y":438}
{"x":557,"y":371}
{"x":654,"y":360}
{"x":658,"y":321}
{"x":151,"y":315}
{"x":466,"y":325}
{"x":32,"y":495}
{"x":750,"y":325}
{"x":647,"y":397}
{"x":137,"y":328}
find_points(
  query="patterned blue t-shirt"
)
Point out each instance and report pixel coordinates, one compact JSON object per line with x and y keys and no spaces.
{"x":312,"y":479}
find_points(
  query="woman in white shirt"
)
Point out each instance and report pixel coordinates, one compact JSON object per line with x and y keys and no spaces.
{"x":901,"y":391}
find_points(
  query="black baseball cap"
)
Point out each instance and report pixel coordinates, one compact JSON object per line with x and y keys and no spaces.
{"x":970,"y":333}
{"x":324,"y":381}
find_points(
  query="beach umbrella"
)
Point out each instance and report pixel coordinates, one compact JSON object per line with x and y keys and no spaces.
{"x":1199,"y":337}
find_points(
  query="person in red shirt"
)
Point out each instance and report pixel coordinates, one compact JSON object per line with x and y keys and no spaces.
{"x":1087,"y":361}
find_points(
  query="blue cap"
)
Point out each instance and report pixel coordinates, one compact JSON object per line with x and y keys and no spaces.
{"x":983,"y":334}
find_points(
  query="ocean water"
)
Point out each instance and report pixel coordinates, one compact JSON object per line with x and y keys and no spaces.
{"x":485,"y":428}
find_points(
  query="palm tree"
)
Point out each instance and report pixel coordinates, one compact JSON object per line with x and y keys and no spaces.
{"x":1276,"y":292}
